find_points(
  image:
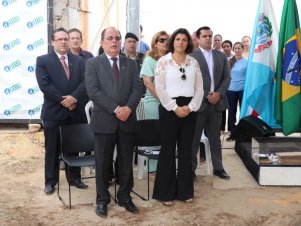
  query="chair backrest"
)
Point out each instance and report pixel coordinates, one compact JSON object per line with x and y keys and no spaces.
{"x":148,"y":133}
{"x":88,"y":110}
{"x":76,"y":138}
{"x":140,"y":110}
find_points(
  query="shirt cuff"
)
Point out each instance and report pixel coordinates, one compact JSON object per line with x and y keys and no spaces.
{"x":175,"y":108}
{"x":116,"y":109}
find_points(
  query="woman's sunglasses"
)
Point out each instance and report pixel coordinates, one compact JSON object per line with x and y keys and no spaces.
{"x":162,"y":40}
{"x":182,"y":70}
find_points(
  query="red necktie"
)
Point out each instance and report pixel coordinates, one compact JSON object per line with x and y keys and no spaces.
{"x":65,"y":66}
{"x":115,"y":67}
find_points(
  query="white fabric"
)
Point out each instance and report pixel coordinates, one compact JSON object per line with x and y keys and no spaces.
{"x":169,"y":84}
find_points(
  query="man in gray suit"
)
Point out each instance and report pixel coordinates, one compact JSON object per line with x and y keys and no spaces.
{"x":216,"y":80}
{"x":115,"y":89}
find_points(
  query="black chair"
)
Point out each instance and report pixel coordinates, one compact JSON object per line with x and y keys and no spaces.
{"x":75,"y":139}
{"x":147,"y":135}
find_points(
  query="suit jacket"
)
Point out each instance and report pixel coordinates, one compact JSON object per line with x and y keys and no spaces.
{"x":221,"y":75}
{"x":107,"y":93}
{"x":54,"y":84}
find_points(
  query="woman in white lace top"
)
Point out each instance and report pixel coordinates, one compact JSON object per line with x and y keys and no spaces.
{"x":179,"y":87}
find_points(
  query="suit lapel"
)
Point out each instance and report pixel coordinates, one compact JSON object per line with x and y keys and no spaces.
{"x":108,"y":68}
{"x":59,"y":65}
{"x":215,"y":66}
{"x":70,"y":65}
{"x":122,"y":70}
{"x":204,"y":66}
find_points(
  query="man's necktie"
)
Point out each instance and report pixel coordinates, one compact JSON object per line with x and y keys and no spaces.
{"x":65,"y":66}
{"x":115,"y":68}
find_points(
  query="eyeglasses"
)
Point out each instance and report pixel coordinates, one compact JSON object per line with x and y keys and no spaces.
{"x":61,"y":40}
{"x":110,"y":38}
{"x":162,"y":40}
{"x":182,"y":70}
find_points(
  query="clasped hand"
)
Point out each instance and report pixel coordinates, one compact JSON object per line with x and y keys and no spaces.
{"x":213,"y":97}
{"x":183,"y":111}
{"x":123,"y":113}
{"x":68,"y":102}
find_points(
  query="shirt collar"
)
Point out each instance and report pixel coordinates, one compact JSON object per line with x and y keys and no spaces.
{"x":203,"y":50}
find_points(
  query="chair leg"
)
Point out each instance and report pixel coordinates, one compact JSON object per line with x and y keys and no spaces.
{"x":148,"y":189}
{"x":208,"y":156}
{"x":140,"y":167}
{"x":147,"y":179}
{"x":69,"y":188}
{"x":58,"y":188}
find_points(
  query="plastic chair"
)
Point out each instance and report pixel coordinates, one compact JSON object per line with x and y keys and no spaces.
{"x":205,"y":140}
{"x":141,"y":159}
{"x":147,"y":136}
{"x":88,"y":110}
{"x":75,"y":139}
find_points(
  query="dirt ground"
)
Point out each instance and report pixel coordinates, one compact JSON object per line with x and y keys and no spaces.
{"x":238,"y":202}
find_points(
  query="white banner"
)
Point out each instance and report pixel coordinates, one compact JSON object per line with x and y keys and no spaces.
{"x":24,"y":36}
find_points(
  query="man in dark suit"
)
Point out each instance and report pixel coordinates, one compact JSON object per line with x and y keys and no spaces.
{"x":216,"y":80}
{"x":60,"y":76}
{"x":115,"y":89}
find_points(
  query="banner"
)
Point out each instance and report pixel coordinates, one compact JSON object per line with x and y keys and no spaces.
{"x":259,"y":92}
{"x":288,"y":96}
{"x":24,"y":36}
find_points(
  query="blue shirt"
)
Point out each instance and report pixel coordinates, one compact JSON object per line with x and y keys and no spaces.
{"x":238,"y":75}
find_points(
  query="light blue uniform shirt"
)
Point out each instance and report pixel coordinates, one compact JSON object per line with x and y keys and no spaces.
{"x":238,"y":75}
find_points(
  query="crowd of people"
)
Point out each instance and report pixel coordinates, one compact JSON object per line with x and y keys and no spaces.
{"x":187,"y":81}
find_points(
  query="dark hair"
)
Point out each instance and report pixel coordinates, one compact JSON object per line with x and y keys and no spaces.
{"x":56,"y":31}
{"x":218,"y":36}
{"x":102,"y":36}
{"x":233,"y":59}
{"x":100,"y":50}
{"x":198,"y":31}
{"x":229,"y":42}
{"x":184,"y":31}
{"x":76,"y":30}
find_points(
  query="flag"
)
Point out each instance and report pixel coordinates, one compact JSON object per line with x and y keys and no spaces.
{"x":259,"y":91}
{"x":288,"y":97}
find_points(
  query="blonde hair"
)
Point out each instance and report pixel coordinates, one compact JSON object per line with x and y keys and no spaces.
{"x":153,"y":52}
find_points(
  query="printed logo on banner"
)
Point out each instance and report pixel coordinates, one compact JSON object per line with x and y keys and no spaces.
{"x":12,"y":66}
{"x":33,"y":90}
{"x":8,"y":2}
{"x":12,"y":44}
{"x":31,"y":68}
{"x":13,"y":88}
{"x":35,"y":110}
{"x":11,"y":22}
{"x":32,"y":2}
{"x":35,"y":22}
{"x":12,"y":110}
{"x":36,"y":44}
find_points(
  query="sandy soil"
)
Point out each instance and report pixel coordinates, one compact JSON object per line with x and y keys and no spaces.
{"x":239,"y":202}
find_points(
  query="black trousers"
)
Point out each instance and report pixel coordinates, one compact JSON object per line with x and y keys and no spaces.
{"x":104,"y":150}
{"x":175,"y":133}
{"x":52,"y":151}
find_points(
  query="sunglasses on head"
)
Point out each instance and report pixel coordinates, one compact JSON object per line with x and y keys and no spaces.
{"x":182,"y":70}
{"x":162,"y":40}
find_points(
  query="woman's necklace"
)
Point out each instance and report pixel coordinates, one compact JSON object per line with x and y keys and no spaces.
{"x":179,"y":59}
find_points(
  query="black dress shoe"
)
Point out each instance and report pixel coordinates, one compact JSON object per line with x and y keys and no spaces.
{"x":101,"y":210}
{"x":221,"y":174}
{"x":49,"y":189}
{"x":79,"y":184}
{"x":129,"y":206}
